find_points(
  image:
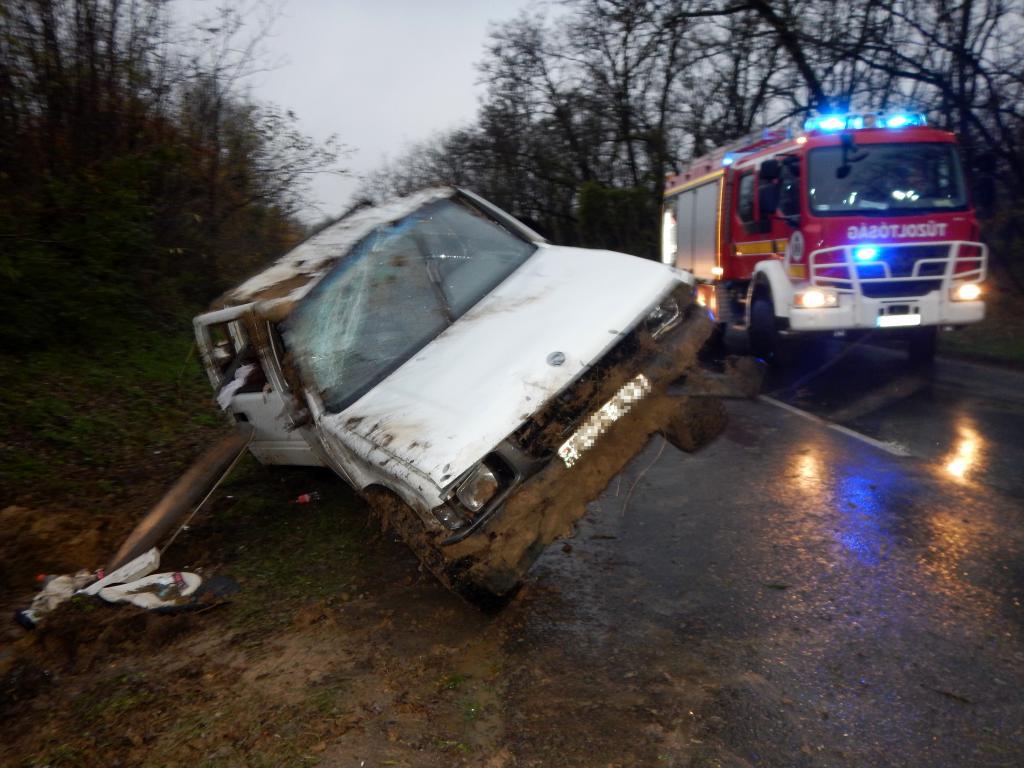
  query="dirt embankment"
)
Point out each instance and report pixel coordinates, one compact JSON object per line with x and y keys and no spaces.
{"x":52,"y":540}
{"x":338,"y":649}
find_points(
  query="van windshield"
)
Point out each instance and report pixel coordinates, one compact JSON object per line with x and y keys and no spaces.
{"x":890,"y":178}
{"x":399,"y":288}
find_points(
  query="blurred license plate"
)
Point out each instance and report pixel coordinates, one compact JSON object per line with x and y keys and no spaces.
{"x":897,"y":321}
{"x":585,"y":437}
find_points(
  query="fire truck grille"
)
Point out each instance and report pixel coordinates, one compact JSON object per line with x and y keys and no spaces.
{"x":891,"y":290}
{"x":901,"y":261}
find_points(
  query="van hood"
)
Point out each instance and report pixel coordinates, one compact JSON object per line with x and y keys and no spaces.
{"x":472,"y":386}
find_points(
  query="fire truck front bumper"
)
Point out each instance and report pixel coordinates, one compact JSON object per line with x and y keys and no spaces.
{"x":861,"y":312}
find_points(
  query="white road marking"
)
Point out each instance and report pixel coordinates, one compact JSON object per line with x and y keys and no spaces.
{"x":896,"y":449}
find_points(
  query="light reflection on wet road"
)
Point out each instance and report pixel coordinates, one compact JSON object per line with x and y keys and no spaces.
{"x":791,"y":596}
{"x":965,"y":418}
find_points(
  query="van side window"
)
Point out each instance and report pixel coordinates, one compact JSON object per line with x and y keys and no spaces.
{"x":746,"y":198}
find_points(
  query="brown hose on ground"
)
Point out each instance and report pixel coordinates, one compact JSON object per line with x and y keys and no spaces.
{"x":191,"y":489}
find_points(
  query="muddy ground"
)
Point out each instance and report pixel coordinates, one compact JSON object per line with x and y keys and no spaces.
{"x":323,"y":646}
{"x":789,"y":596}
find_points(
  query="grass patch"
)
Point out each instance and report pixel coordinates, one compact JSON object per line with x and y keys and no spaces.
{"x":62,"y":755}
{"x":999,"y":338}
{"x":471,"y":710}
{"x":453,"y":681}
{"x":286,"y":554}
{"x":80,"y":422}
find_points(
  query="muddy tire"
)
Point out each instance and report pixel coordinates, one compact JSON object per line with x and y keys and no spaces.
{"x":394,"y":514}
{"x":697,"y":422}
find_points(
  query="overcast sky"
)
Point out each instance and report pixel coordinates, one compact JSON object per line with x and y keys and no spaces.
{"x":380,"y":74}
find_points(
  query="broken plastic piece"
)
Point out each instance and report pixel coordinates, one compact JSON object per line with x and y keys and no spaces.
{"x":306,"y":498}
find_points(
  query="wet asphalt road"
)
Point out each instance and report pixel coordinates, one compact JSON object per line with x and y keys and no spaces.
{"x":793,"y":595}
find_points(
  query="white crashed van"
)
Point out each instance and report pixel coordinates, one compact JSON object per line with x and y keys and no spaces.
{"x":475,"y":383}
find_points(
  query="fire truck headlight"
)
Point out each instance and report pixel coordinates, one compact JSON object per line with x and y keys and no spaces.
{"x":967,"y":292}
{"x":817,"y":298}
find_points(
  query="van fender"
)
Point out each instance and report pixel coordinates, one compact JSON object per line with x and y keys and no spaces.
{"x":769,"y":274}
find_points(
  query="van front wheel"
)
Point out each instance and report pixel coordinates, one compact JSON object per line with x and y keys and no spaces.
{"x":394,"y":514}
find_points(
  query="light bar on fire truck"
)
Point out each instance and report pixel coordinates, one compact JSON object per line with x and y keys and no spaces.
{"x":858,"y":120}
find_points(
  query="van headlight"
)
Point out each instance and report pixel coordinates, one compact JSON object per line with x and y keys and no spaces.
{"x":477,"y":489}
{"x":478,"y":492}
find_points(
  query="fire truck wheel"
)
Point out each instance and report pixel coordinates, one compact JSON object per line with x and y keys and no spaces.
{"x":763,"y":334}
{"x":921,"y":348}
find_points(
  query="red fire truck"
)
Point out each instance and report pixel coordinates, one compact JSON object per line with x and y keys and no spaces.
{"x":860,"y":223}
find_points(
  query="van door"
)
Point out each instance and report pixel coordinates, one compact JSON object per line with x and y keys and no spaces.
{"x":250,"y":387}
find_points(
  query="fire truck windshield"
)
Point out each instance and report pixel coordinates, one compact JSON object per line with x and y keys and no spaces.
{"x":889,"y":178}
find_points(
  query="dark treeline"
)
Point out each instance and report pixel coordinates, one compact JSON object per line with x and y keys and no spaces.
{"x":588,"y":108}
{"x":136,"y":180}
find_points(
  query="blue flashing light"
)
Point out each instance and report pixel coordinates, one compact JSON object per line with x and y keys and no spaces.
{"x":865,"y":253}
{"x":728,"y":160}
{"x":832,"y":123}
{"x":826,"y":123}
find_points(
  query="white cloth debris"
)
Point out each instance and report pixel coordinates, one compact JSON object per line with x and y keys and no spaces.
{"x":143,"y":565}
{"x":158,"y":591}
{"x":57,"y":590}
{"x":227,"y":392}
